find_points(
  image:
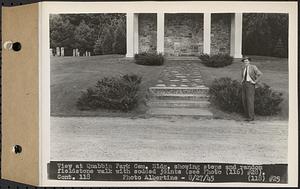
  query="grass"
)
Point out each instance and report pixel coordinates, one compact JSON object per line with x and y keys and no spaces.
{"x":72,"y":75}
{"x":275,"y":74}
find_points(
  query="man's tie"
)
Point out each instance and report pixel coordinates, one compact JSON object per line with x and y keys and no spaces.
{"x":245,"y":76}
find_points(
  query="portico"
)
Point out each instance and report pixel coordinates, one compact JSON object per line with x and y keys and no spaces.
{"x":184,"y":34}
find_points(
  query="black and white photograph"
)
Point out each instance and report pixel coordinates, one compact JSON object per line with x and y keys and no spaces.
{"x":192,"y":87}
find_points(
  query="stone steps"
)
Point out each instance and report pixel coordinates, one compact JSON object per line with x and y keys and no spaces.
{"x":194,"y":58}
{"x":179,"y":90}
{"x":178,"y":104}
{"x":166,"y":112}
{"x":167,"y":96}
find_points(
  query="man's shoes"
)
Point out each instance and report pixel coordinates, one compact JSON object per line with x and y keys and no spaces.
{"x":249,"y":119}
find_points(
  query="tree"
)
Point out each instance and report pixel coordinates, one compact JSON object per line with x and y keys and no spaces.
{"x":83,"y":36}
{"x":98,"y":46}
{"x":108,"y":38}
{"x":61,"y":32}
{"x":262,"y":32}
{"x":89,"y":32}
{"x":119,"y":45}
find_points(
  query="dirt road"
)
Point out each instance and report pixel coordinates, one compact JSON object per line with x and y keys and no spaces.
{"x":171,"y":140}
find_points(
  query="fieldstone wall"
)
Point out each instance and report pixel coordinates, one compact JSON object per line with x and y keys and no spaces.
{"x":147,"y":26}
{"x":220,"y":33}
{"x":183,"y":34}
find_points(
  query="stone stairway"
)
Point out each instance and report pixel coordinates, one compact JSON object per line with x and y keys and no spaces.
{"x":180,"y":92}
{"x":179,"y":101}
{"x":184,"y":58}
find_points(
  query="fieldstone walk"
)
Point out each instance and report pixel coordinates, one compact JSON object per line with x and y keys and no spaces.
{"x":180,"y":91}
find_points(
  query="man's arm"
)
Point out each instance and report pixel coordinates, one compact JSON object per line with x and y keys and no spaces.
{"x":258,"y":74}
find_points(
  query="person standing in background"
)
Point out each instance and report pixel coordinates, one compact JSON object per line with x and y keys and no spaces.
{"x":250,"y":76}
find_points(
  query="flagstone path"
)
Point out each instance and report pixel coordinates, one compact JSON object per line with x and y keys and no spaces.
{"x":180,"y":91}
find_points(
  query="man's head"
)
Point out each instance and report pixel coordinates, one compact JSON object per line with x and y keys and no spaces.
{"x":246,"y":60}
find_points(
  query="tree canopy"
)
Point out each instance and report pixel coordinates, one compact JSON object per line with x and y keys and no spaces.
{"x":265,"y":34}
{"x":86,"y":31}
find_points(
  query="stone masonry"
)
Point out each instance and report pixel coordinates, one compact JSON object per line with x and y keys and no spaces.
{"x":147,"y":32}
{"x":220,"y":33}
{"x":183,"y":34}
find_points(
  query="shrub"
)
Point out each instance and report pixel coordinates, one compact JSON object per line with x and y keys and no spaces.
{"x":112,"y":93}
{"x":218,"y":60}
{"x":204,"y":57}
{"x":267,"y":101}
{"x":227,"y":94}
{"x":149,"y":59}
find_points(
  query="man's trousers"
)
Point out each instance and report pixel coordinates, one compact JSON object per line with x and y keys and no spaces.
{"x":248,"y":92}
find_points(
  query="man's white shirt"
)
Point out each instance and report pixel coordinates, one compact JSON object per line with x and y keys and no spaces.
{"x":248,"y":78}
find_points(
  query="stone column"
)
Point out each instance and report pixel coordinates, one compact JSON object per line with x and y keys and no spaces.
{"x":160,"y":32}
{"x":236,"y":35}
{"x":62,"y":51}
{"x":57,"y":51}
{"x":206,"y":33}
{"x":132,"y":34}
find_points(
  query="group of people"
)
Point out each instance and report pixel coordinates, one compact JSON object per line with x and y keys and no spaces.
{"x":250,"y":77}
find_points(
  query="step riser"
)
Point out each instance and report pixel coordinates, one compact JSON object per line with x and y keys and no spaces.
{"x":192,"y":116}
{"x":179,"y":91}
{"x":195,"y":59}
{"x":200,"y":98}
{"x":164,"y":112}
{"x":177,"y":105}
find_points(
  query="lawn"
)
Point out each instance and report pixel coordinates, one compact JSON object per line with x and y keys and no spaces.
{"x":275,"y":74}
{"x":70,"y":76}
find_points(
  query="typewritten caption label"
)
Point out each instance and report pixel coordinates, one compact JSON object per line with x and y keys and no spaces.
{"x":153,"y":171}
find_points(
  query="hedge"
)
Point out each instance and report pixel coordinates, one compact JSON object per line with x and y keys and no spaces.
{"x":112,"y":93}
{"x":227,"y":95}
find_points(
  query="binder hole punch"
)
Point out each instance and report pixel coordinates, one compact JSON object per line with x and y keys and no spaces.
{"x":17,"y":149}
{"x":9,"y":45}
{"x":16,"y":46}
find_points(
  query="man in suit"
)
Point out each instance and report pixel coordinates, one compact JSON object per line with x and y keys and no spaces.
{"x":250,"y":77}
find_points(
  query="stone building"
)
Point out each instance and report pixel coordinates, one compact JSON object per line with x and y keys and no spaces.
{"x":184,"y":34}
